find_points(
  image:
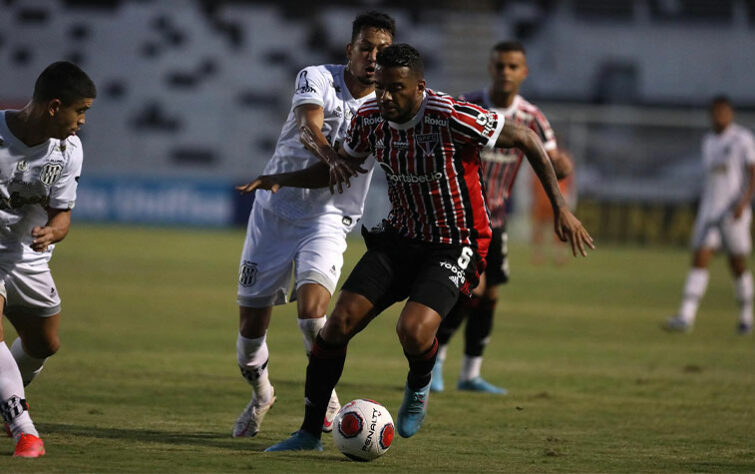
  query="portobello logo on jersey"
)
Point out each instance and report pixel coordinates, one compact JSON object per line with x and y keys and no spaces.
{"x":396,"y":178}
{"x":50,"y":173}
{"x":428,"y":142}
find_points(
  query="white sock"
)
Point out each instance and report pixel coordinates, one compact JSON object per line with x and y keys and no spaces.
{"x":470,"y":367}
{"x":442,"y":350}
{"x":29,"y":366}
{"x":252,"y":356}
{"x":11,"y":394}
{"x":694,"y":289}
{"x":744,"y":291}
{"x":309,"y":329}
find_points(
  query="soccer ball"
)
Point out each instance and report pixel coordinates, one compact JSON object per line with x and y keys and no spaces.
{"x":363,"y":430}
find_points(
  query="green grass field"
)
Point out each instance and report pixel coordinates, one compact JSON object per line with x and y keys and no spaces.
{"x":146,"y":379}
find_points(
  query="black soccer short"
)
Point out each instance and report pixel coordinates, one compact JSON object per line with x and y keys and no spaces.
{"x":497,"y":269}
{"x":395,"y":268}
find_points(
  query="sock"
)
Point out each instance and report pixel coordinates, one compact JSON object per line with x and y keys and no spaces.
{"x":325,"y":367}
{"x":309,"y":329}
{"x":442,"y":351}
{"x":12,"y":396}
{"x":453,"y":320}
{"x":694,"y":289}
{"x":479,"y":326}
{"x":421,"y":366}
{"x":470,"y":367}
{"x":252,"y":356}
{"x":29,"y":366}
{"x":743,"y":288}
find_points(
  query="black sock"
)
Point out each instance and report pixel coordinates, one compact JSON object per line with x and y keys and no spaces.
{"x":421,"y":366}
{"x":479,"y":327}
{"x":453,"y":320}
{"x":325,"y":367}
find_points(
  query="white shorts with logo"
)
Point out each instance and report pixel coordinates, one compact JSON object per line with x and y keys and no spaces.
{"x":275,"y":248}
{"x":28,"y":289}
{"x":731,"y":234}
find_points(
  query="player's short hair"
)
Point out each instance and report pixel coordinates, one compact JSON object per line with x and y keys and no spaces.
{"x":374,"y":19}
{"x":65,"y":81}
{"x":508,"y":47}
{"x":401,"y":55}
{"x":720,"y":99}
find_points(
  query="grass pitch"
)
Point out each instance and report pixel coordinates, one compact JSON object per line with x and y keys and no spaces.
{"x":146,"y":379}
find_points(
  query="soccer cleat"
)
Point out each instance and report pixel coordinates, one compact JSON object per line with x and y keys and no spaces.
{"x":29,"y":446}
{"x":744,"y":328}
{"x":333,"y":407}
{"x":478,"y":384}
{"x":299,"y":441}
{"x":248,"y":423}
{"x":436,"y":383}
{"x":413,"y":410}
{"x":677,"y":324}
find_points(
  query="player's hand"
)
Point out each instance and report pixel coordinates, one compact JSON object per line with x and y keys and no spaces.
{"x":569,"y":228}
{"x":269,"y":182}
{"x":43,"y":238}
{"x":342,"y":169}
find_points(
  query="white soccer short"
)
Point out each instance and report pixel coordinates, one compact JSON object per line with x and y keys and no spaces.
{"x":28,"y":289}
{"x":275,"y":247}
{"x":731,"y":234}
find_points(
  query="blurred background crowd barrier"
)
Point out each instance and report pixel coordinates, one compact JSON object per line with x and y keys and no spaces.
{"x":192,"y":94}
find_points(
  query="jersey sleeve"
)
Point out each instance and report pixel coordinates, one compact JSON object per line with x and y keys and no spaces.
{"x":474,"y":125}
{"x":63,"y":191}
{"x":357,"y":141}
{"x":542,"y":127}
{"x":310,"y":87}
{"x":749,"y":148}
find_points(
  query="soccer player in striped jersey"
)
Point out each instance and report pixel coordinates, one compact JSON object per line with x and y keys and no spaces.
{"x":723,"y":217}
{"x":508,"y":69}
{"x":40,"y":164}
{"x":432,"y":245}
{"x":303,"y":231}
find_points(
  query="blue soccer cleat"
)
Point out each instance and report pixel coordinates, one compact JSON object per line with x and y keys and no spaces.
{"x":436,"y":383}
{"x":299,"y":441}
{"x":412,"y":411}
{"x":478,"y":384}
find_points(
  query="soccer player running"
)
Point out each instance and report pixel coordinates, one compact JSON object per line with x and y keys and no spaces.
{"x":304,"y":228}
{"x":433,"y":242}
{"x":508,"y":69}
{"x":723,"y":216}
{"x":40,"y":164}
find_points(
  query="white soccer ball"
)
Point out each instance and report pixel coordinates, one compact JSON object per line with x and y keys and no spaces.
{"x":363,"y":430}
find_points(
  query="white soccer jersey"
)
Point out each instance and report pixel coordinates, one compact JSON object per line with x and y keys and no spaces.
{"x":726,"y":157}
{"x":324,"y":86}
{"x":31,"y":180}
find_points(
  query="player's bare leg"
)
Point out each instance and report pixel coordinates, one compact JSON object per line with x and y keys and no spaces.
{"x":13,"y":405}
{"x":743,"y":288}
{"x":38,"y":339}
{"x":312,"y":303}
{"x":416,"y":329}
{"x":252,"y":355}
{"x":694,"y":289}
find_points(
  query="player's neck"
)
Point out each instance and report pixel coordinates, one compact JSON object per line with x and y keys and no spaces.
{"x":26,"y":126}
{"x":502,"y":99}
{"x":357,"y":88}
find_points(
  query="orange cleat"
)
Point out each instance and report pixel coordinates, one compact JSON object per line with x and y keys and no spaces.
{"x":29,"y":446}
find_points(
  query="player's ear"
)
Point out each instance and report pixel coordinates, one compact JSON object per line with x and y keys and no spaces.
{"x":349,"y":47}
{"x":54,"y":106}
{"x":421,"y":85}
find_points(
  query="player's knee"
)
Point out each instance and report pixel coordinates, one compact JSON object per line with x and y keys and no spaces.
{"x":42,"y":348}
{"x":340,"y":325}
{"x":413,"y":335}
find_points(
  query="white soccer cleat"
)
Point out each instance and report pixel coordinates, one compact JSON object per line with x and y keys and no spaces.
{"x":248,"y":423}
{"x":677,"y":324}
{"x":333,"y":407}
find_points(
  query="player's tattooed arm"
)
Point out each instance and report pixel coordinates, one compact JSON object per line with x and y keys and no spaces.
{"x":58,"y":223}
{"x":567,"y":225}
{"x":747,"y":195}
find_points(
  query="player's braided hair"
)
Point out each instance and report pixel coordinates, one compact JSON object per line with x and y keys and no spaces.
{"x":374,"y":19}
{"x":401,"y":55}
{"x":65,"y":81}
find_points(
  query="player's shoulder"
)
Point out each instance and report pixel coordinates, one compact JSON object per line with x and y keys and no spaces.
{"x":319,"y":72}
{"x":526,"y":106}
{"x":71,"y":147}
{"x":369,"y":109}
{"x":442,"y":104}
{"x":742,"y":131}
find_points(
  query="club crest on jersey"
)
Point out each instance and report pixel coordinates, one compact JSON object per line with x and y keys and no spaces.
{"x":428,"y":142}
{"x":22,"y":166}
{"x":50,"y":173}
{"x":248,"y":274}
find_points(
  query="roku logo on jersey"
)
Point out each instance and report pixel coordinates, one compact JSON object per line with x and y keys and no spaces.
{"x":435,"y":121}
{"x":410,"y":178}
{"x":372,"y":120}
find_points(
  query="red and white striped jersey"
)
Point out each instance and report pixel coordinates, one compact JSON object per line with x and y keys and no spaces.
{"x":501,"y":165}
{"x":432,"y":163}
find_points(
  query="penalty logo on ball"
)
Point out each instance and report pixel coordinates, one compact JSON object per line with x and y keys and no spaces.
{"x":363,"y":430}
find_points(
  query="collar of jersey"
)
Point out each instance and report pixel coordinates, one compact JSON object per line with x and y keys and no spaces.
{"x":414,"y":120}
{"x":505,"y":112}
